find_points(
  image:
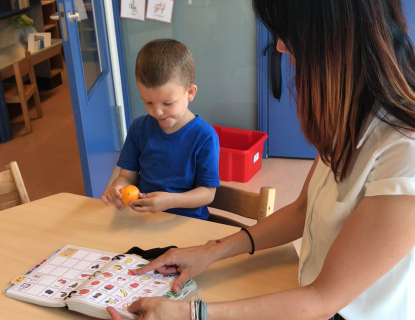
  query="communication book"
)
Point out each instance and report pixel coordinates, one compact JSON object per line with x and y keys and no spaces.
{"x":87,"y":281}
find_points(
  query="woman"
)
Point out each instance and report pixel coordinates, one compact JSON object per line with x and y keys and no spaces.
{"x":355,"y":82}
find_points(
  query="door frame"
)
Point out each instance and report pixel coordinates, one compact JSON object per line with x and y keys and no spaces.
{"x":265,"y":47}
{"x":116,"y":48}
{"x":263,"y":40}
{"x":112,"y":79}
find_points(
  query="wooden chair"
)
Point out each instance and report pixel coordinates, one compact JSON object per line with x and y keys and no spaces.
{"x":20,"y":92}
{"x":11,"y":184}
{"x":244,"y":203}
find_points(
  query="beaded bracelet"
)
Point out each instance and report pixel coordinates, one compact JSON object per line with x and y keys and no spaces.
{"x":192,"y":310}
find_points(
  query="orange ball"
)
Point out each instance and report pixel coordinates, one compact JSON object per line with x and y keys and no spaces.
{"x":129,"y":193}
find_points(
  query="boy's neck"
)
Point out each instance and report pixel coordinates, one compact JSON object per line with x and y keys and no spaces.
{"x":188,"y":116}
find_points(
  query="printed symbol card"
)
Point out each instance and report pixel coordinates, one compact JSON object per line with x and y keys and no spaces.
{"x":87,"y":281}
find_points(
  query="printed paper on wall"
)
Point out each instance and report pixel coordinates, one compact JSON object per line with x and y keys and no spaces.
{"x":161,"y":10}
{"x":133,"y":9}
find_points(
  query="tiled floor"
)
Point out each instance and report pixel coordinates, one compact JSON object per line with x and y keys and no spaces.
{"x":49,"y":157}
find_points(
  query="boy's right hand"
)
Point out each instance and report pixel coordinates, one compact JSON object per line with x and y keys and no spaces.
{"x":113,"y":196}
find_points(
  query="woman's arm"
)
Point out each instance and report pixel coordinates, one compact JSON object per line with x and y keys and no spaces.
{"x":281,"y":227}
{"x":378,"y":234}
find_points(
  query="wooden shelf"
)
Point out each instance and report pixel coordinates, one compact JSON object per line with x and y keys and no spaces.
{"x":54,"y":72}
{"x":48,"y":62}
{"x":54,"y":56}
{"x":46,"y":2}
{"x":49,"y":26}
{"x":15,"y":8}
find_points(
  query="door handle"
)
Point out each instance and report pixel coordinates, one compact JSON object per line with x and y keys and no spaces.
{"x":276,"y":77}
{"x":54,"y":16}
{"x":69,"y":16}
{"x":72,"y":17}
{"x":63,"y":22}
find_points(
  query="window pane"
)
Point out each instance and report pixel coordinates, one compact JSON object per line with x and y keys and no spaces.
{"x":88,"y":41}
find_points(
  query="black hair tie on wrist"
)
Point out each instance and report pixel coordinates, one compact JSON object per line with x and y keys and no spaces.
{"x":252,"y":241}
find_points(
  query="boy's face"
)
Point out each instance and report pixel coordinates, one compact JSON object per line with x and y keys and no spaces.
{"x":168,"y":104}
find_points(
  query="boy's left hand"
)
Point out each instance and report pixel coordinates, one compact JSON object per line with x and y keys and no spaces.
{"x":152,"y":202}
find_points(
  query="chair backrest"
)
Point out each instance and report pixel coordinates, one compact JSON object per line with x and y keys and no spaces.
{"x":244,"y":203}
{"x":12,"y":185}
{"x":23,"y":67}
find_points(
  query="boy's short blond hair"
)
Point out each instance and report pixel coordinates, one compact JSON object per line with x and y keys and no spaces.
{"x":164,"y":60}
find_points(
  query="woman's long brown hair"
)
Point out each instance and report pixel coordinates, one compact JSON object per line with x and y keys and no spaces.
{"x":349,"y":54}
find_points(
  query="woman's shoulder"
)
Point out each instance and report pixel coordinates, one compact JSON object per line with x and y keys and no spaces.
{"x":382,"y":130}
{"x":392,"y":132}
{"x":391,"y":147}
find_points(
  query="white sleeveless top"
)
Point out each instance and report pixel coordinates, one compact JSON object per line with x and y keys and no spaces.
{"x":384,"y":164}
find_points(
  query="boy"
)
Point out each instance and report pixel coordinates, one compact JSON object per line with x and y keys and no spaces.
{"x":170,"y":154}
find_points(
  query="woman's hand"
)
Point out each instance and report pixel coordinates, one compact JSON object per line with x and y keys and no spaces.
{"x":152,"y":202}
{"x":156,"y":309}
{"x":189,"y":262}
{"x":113,"y":196}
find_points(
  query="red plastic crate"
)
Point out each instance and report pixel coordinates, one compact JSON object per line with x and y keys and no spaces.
{"x":240,"y":153}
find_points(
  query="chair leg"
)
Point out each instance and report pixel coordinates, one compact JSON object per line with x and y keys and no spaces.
{"x":37,"y":104}
{"x":26,"y":117}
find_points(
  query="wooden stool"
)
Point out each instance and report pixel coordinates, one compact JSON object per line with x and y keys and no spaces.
{"x":20,"y":92}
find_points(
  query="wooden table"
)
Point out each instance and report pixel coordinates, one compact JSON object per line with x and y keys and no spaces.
{"x":16,"y":52}
{"x":30,"y":232}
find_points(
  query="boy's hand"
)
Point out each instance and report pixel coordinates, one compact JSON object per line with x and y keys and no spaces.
{"x":113,"y":196}
{"x":152,"y":202}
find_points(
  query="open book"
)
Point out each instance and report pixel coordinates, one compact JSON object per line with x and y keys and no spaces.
{"x":87,"y":281}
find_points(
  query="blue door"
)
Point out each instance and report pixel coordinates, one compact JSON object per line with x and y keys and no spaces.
{"x":278,"y":117}
{"x":285,"y":138}
{"x":86,"y":50}
{"x":409,"y":8}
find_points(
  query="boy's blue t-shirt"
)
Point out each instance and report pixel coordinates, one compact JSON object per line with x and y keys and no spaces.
{"x":176,"y":162}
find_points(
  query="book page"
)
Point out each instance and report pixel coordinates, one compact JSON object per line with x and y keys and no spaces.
{"x":50,"y":281}
{"x":116,"y":286}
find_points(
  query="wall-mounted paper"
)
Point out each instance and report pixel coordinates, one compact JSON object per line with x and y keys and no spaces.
{"x":38,"y":41}
{"x":133,"y":9}
{"x":161,"y":10}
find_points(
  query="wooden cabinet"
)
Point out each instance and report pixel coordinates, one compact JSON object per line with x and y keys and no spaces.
{"x":49,"y":25}
{"x":48,"y":62}
{"x":12,"y":7}
{"x":48,"y":73}
{"x":7,"y":7}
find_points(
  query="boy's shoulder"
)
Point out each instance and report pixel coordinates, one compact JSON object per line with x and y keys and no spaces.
{"x":142,"y":120}
{"x":142,"y":123}
{"x":202,"y":126}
